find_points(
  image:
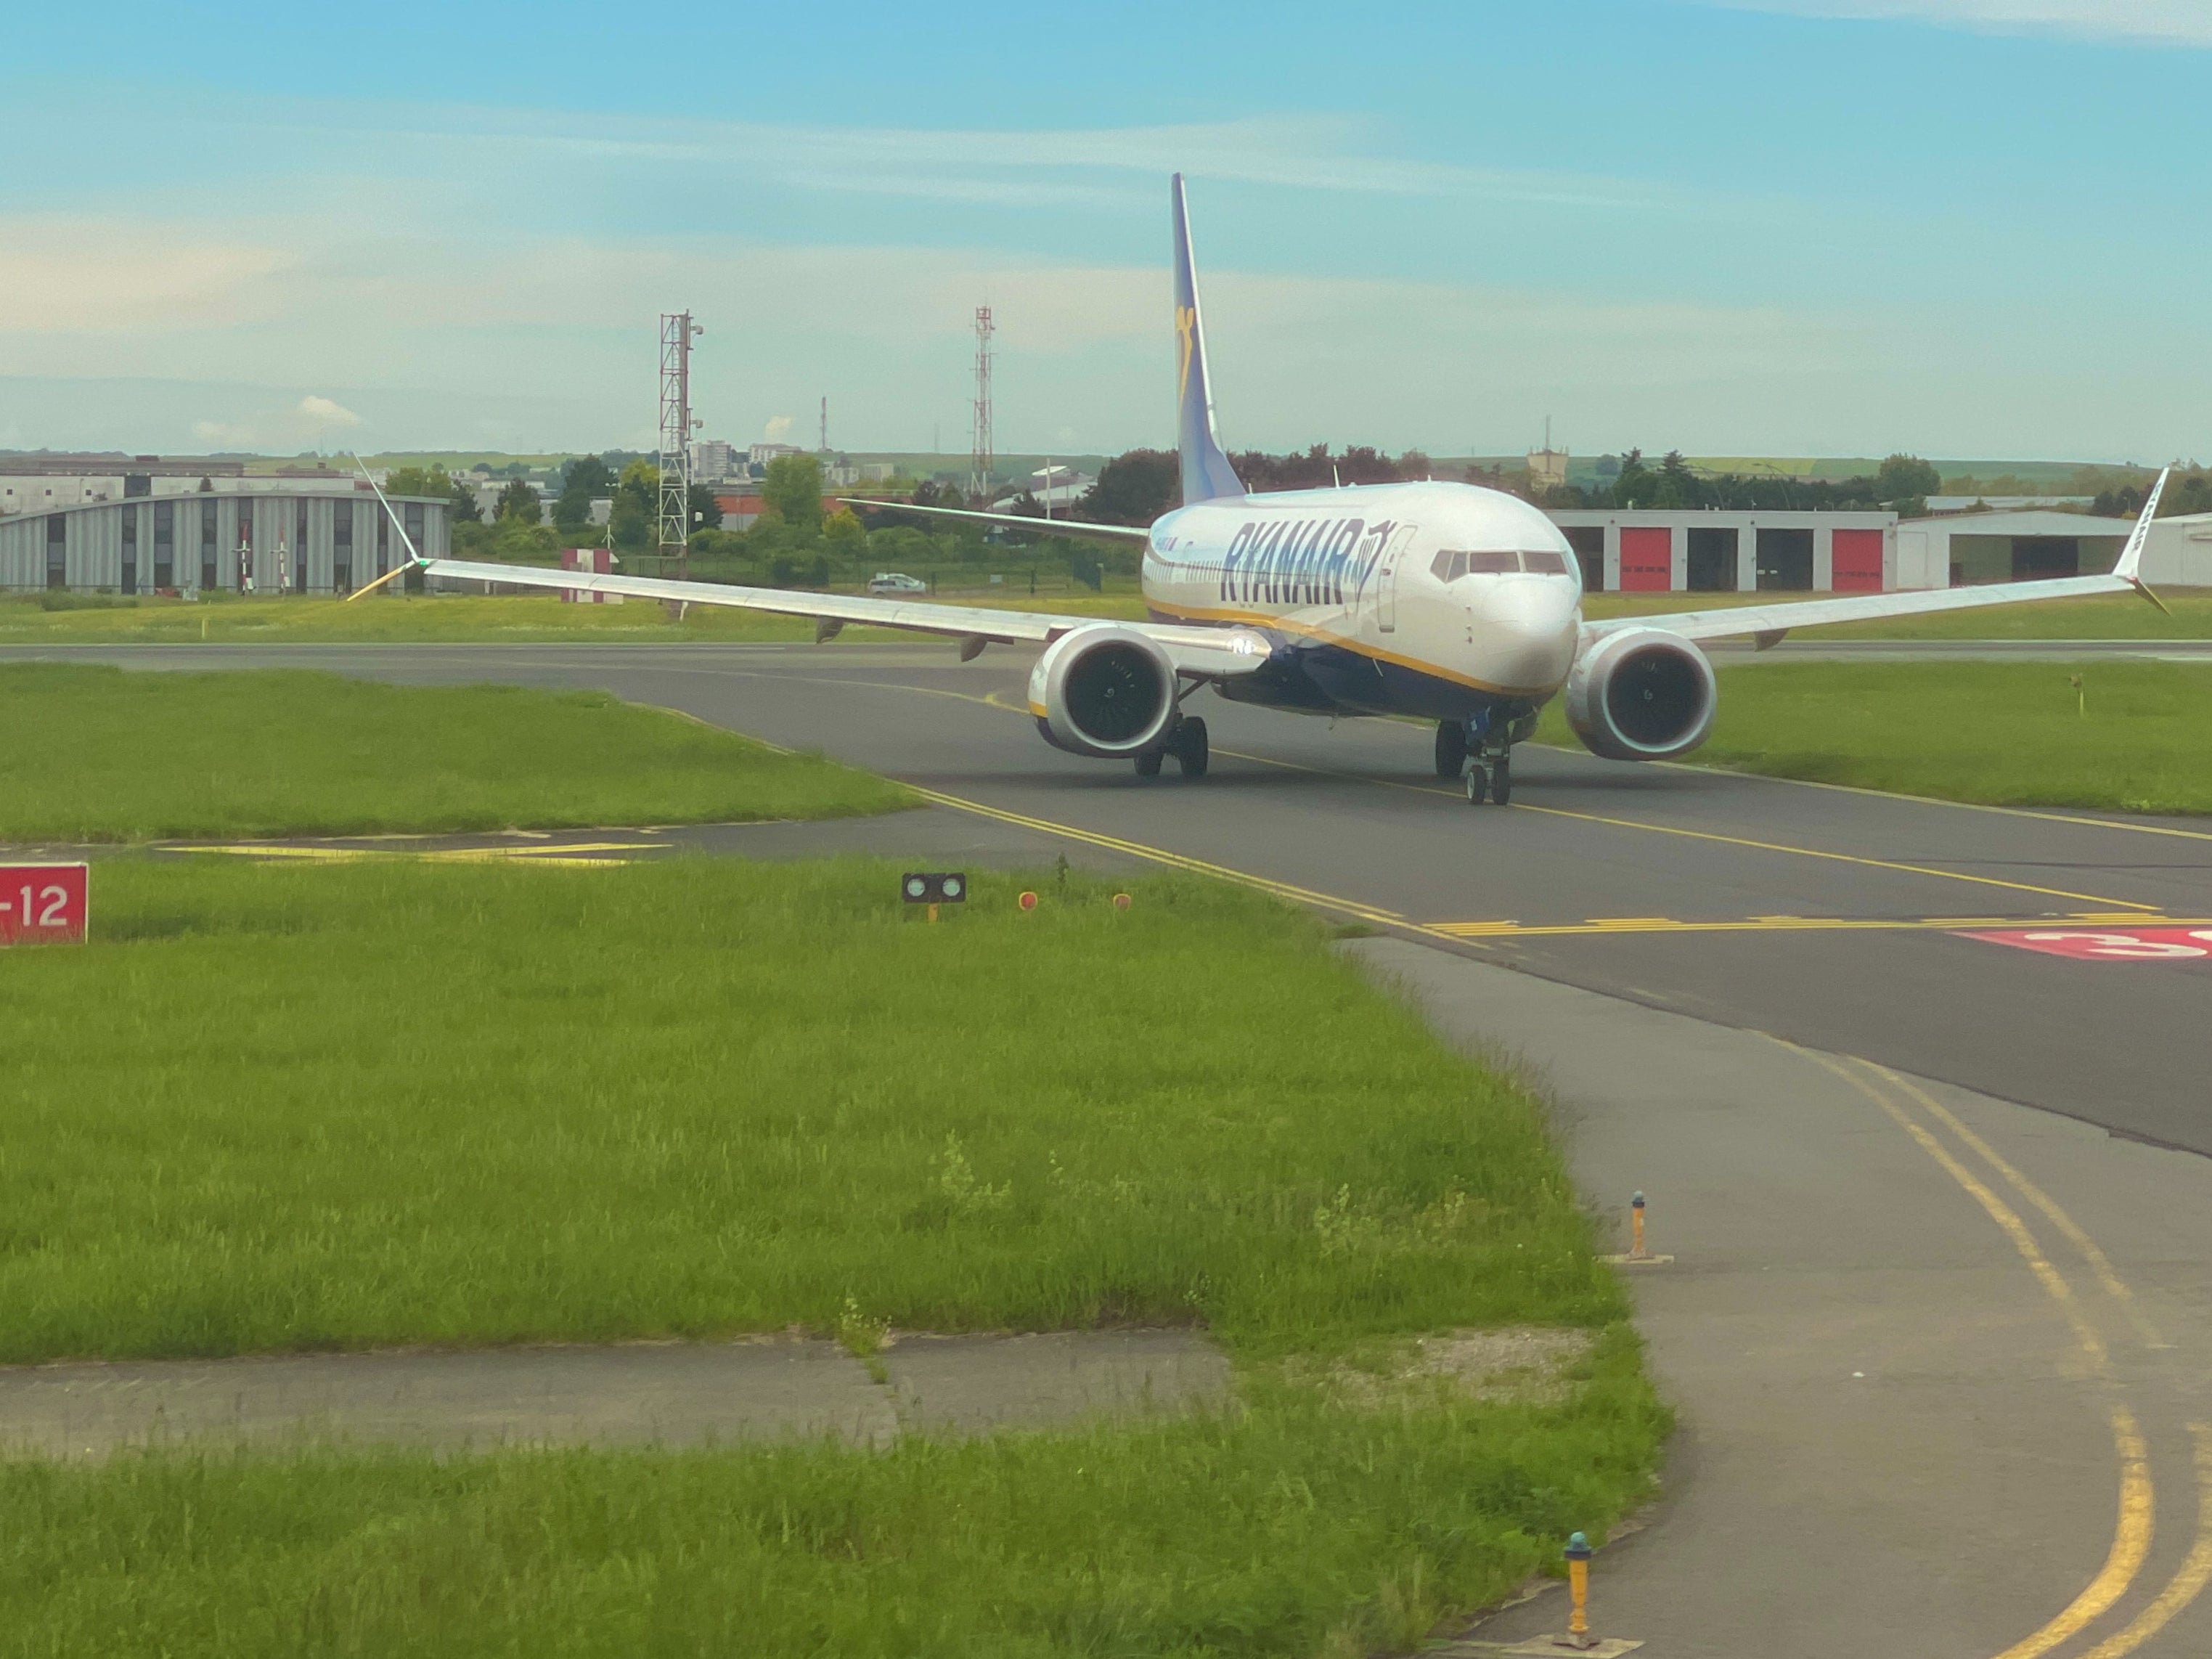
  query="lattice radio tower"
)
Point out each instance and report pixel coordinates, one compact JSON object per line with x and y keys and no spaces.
{"x":676,"y":331}
{"x":979,"y":465}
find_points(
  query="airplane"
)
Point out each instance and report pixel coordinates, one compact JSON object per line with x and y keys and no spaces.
{"x":1443,"y":602}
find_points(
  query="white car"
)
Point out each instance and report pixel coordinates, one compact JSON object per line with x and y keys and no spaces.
{"x":894,"y":581}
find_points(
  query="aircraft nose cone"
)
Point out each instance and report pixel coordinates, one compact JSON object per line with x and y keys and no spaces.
{"x":1526,"y":626}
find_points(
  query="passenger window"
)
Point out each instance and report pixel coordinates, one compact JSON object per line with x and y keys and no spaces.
{"x":1491,"y":563}
{"x":1545,"y":562}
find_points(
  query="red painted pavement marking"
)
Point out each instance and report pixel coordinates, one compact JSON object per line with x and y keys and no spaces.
{"x":2110,"y":944}
{"x":43,"y":902}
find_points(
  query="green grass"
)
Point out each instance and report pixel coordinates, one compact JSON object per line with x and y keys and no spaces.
{"x":456,"y":619}
{"x":1287,"y":1528}
{"x":2001,"y":734}
{"x":283,"y":1108}
{"x":280,"y":1108}
{"x":92,"y":753}
{"x":276,"y":1108}
{"x":2121,"y":616}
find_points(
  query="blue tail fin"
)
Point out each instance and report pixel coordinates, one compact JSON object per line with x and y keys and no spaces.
{"x":1206,"y":471}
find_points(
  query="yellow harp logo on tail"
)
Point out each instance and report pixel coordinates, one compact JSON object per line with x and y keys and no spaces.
{"x":1185,"y":318}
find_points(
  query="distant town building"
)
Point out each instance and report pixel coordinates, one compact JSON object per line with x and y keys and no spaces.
{"x":1547,"y":467}
{"x":713,"y":459}
{"x":760,"y":455}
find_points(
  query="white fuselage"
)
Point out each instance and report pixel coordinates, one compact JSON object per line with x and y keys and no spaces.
{"x":1437,"y":582}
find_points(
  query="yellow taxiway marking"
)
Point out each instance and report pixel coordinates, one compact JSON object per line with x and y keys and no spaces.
{"x":572,"y":853}
{"x":2129,"y":906}
{"x":1175,"y":860}
{"x":2186,"y":1585}
{"x":2132,"y":1534}
{"x":1605,"y":925}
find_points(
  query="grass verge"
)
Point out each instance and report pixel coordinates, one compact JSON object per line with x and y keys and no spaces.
{"x":283,"y":1108}
{"x":92,"y":753}
{"x":2121,"y":616}
{"x":457,"y":619}
{"x":292,"y":1109}
{"x":2000,"y":733}
{"x":1289,"y":1527}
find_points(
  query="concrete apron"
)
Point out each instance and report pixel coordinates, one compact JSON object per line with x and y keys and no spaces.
{"x":1899,"y":1433}
{"x":630,"y":1394}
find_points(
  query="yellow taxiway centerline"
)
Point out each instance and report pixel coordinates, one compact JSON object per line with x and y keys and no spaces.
{"x":1606,"y":925}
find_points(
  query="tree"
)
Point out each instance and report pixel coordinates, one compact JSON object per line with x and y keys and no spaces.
{"x":432,"y":481}
{"x":842,"y":532}
{"x":1903,"y":476}
{"x":585,"y":480}
{"x":631,"y":525}
{"x":706,"y":512}
{"x":519,"y":502}
{"x":1134,"y":488}
{"x":792,"y":491}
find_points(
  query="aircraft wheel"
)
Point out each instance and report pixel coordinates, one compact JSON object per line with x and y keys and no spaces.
{"x":1477,"y":784}
{"x":1148,"y":763}
{"x":1501,"y":780}
{"x":1451,"y":749}
{"x":1191,"y":751}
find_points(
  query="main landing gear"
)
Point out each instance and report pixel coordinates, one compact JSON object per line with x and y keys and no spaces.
{"x":1187,"y":743}
{"x":1489,"y":777}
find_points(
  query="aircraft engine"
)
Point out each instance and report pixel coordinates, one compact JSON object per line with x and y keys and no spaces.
{"x":1105,"y":691}
{"x":1641,"y":695}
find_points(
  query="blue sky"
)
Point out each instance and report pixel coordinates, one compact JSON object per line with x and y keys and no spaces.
{"x":1960,"y":226}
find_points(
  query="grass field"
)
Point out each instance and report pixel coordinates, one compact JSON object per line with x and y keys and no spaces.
{"x":283,"y":1109}
{"x":1289,"y":1527}
{"x":393,"y":1103}
{"x":2003,"y":733}
{"x":460,"y":617}
{"x":91,"y":753}
{"x":2122,"y":616}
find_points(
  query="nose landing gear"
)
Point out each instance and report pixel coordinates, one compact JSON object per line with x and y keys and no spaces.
{"x":1493,"y":778}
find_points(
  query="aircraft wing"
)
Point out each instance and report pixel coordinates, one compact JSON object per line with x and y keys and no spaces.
{"x":1770,"y":622}
{"x":1202,"y":652}
{"x":1076,"y":527}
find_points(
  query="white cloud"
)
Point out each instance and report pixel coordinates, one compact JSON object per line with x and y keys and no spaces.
{"x":2187,"y":22}
{"x":321,"y":411}
{"x":778,"y":428}
{"x":113,"y":275}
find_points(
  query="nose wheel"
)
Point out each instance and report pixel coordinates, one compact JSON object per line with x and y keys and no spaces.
{"x":1490,"y":779}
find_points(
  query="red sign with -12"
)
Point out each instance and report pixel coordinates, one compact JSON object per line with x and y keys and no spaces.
{"x":42,"y":904}
{"x":2121,"y":944}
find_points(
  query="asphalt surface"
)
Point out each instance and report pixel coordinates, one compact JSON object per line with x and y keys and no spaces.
{"x":1634,"y":864}
{"x":1942,"y":1365}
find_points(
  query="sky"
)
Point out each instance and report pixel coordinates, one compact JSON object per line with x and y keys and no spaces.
{"x":1959,"y":227}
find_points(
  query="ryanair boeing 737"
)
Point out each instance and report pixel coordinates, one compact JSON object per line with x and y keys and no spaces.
{"x":1440,"y":601}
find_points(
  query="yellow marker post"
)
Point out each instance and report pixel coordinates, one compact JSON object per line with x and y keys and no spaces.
{"x":1578,"y":1561}
{"x":1636,"y":1251}
{"x":932,"y":916}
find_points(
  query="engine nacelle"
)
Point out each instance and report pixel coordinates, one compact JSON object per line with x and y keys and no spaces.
{"x":1642,"y":695}
{"x":1104,"y":691}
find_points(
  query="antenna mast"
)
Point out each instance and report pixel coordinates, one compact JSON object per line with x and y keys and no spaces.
{"x":979,"y":465}
{"x":677,"y":330}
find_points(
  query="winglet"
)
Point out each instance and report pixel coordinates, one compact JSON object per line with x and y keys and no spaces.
{"x":2129,"y":568}
{"x":1206,"y":473}
{"x":415,"y":558}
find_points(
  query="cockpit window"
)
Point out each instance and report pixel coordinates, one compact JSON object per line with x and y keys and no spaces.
{"x":1491,"y":563}
{"x":1544,"y":561}
{"x":1449,"y":566}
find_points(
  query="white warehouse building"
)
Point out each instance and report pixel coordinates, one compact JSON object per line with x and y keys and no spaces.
{"x":321,"y":541}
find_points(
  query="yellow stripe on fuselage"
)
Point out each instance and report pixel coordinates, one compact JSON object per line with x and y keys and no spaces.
{"x":1330,"y":636}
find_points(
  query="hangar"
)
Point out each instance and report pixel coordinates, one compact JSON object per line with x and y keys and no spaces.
{"x":1968,"y":549}
{"x":1650,"y":551}
{"x":328,"y":541}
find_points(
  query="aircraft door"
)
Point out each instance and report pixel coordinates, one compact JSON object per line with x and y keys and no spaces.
{"x":1386,"y":579}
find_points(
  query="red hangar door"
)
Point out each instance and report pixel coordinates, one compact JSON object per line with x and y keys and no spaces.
{"x":1647,"y":560}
